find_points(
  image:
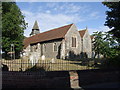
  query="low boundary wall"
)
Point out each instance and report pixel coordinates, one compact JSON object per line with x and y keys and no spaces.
{"x":57,"y":79}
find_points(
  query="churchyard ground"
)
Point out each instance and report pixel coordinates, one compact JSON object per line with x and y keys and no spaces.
{"x":47,"y":65}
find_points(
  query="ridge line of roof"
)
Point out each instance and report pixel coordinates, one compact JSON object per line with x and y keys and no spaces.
{"x":83,"y":30}
{"x":51,"y":30}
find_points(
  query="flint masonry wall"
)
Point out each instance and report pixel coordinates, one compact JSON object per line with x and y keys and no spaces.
{"x":87,"y":48}
{"x":75,"y":51}
{"x":48,"y":49}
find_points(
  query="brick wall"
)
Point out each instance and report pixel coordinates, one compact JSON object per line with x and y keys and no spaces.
{"x":57,"y":79}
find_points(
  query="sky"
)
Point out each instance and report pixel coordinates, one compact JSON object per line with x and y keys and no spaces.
{"x":50,"y":15}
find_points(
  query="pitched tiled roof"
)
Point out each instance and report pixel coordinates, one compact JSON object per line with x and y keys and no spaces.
{"x":82,"y":32}
{"x":48,"y":35}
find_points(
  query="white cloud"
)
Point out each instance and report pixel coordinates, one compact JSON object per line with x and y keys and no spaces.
{"x":54,"y":15}
{"x":101,"y":28}
{"x":48,"y":21}
{"x":95,"y":15}
{"x":71,"y":8}
{"x":48,"y":11}
{"x":52,"y":4}
{"x":67,"y":7}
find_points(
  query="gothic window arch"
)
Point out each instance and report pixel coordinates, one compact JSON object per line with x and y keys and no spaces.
{"x":74,"y":42}
{"x":54,"y":47}
{"x":31,"y":48}
{"x":45,"y":47}
{"x":35,"y":48}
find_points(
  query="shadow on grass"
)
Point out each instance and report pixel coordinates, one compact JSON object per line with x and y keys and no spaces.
{"x":35,"y":68}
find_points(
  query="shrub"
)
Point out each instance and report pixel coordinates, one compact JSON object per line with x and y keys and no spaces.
{"x":112,"y":62}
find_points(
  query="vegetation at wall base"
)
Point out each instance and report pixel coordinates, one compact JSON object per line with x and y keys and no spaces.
{"x":112,"y":63}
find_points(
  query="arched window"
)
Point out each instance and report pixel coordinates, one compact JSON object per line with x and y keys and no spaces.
{"x":31,"y":48}
{"x":54,"y":47}
{"x":73,"y":41}
{"x":35,"y":48}
{"x":45,"y":47}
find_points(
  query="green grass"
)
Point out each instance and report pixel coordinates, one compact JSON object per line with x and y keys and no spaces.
{"x":59,"y":65}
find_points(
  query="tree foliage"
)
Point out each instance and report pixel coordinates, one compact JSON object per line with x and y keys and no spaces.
{"x":98,"y":43}
{"x":104,"y":44}
{"x":13,"y":25}
{"x":0,"y":15}
{"x":113,"y":36}
{"x":113,"y":18}
{"x":0,"y":27}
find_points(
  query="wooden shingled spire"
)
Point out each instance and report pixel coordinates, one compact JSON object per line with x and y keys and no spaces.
{"x":35,"y":29}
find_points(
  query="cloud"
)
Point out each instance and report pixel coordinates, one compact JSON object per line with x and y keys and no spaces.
{"x":48,"y":11}
{"x":52,"y":4}
{"x":67,"y":8}
{"x":61,"y":0}
{"x":48,"y":21}
{"x":101,"y":28}
{"x":85,"y":12}
{"x":95,"y":15}
{"x":52,"y":15}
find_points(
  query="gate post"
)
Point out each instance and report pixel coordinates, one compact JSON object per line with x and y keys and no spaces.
{"x":74,"y":79}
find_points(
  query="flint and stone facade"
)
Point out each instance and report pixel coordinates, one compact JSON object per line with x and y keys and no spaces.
{"x":86,"y":45}
{"x":70,"y":46}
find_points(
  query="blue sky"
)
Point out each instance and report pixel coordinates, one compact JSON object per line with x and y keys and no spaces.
{"x":56,"y":14}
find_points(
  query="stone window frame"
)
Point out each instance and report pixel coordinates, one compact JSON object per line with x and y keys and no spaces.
{"x":35,"y":48}
{"x":55,"y":50}
{"x":38,"y":45}
{"x":75,"y":37}
{"x":44,"y":46}
{"x":82,"y":41}
{"x":31,"y":48}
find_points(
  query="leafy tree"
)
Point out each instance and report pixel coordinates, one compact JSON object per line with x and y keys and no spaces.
{"x":0,"y":15}
{"x":13,"y":25}
{"x":104,"y":44}
{"x":98,"y":43}
{"x":0,"y":27}
{"x":113,"y":18}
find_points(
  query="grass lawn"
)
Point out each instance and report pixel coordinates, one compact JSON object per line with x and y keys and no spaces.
{"x":15,"y":65}
{"x":47,"y":65}
{"x":61,"y":65}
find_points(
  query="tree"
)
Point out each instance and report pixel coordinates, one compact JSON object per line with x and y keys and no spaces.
{"x":0,"y":16}
{"x":98,"y":43}
{"x":113,"y":18}
{"x":13,"y":25}
{"x":104,"y":44}
{"x":0,"y":27}
{"x":110,"y":45}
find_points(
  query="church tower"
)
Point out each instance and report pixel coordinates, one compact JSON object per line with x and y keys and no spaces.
{"x":35,"y":29}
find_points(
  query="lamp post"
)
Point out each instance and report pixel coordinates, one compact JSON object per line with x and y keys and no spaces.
{"x":21,"y":60}
{"x":13,"y":50}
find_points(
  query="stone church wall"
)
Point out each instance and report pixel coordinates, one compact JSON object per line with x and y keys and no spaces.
{"x":87,"y":48}
{"x":72,"y":52}
{"x":65,"y":50}
{"x":48,"y":49}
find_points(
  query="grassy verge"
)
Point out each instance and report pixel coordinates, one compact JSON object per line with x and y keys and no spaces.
{"x":47,"y":65}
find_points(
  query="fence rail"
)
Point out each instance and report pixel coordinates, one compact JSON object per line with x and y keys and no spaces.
{"x":46,"y":65}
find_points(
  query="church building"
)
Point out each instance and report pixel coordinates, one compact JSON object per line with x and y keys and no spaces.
{"x":64,"y":42}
